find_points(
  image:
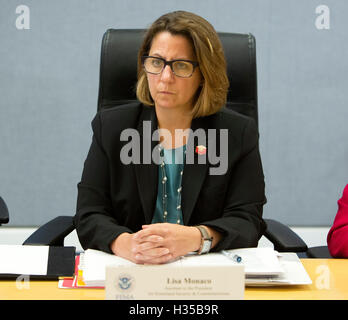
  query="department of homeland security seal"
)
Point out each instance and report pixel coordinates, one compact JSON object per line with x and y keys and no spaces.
{"x":125,"y":282}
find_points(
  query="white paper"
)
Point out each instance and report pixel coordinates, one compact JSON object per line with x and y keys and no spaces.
{"x":262,"y":266}
{"x":256,"y":262}
{"x":93,"y":263}
{"x":294,"y":273}
{"x":26,"y":260}
{"x":259,"y":261}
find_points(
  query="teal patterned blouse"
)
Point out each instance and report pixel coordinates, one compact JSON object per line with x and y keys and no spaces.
{"x":168,"y":203}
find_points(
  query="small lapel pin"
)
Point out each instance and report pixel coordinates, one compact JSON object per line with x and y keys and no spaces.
{"x":201,"y":149}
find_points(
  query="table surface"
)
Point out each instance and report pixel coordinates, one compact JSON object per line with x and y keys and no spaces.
{"x":329,"y":281}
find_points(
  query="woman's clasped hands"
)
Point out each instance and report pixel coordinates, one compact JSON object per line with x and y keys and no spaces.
{"x":157,"y":243}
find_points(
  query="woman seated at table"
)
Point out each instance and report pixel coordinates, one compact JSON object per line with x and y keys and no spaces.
{"x":154,"y":212}
{"x":337,"y":238}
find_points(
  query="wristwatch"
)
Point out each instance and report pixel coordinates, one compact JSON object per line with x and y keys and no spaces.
{"x":206,"y":240}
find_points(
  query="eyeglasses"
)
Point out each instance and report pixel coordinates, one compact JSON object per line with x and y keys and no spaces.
{"x":181,"y":68}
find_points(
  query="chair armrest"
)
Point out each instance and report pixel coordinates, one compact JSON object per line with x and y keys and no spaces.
{"x":52,"y":233}
{"x":283,"y":238}
{"x":321,"y":252}
{"x":4,"y":216}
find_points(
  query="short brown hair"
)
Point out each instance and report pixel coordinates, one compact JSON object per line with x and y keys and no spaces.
{"x":211,"y":97}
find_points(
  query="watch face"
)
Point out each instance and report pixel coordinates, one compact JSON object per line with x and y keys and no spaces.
{"x":206,"y":246}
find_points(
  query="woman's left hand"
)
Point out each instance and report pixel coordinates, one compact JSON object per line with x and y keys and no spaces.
{"x":178,"y":239}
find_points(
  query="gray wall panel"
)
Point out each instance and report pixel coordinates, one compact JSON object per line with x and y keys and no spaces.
{"x":49,"y":86}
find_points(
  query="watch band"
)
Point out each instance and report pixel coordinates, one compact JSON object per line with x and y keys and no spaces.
{"x":206,"y":240}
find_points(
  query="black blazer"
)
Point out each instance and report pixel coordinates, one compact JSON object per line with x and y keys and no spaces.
{"x":114,"y":198}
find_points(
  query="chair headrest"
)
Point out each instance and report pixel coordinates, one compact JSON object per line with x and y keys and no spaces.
{"x":118,"y":69}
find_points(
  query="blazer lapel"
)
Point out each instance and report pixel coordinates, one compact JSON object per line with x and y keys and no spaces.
{"x":194,"y":173}
{"x":147,"y":171}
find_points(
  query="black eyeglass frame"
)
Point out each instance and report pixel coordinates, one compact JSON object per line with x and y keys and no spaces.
{"x":195,"y":64}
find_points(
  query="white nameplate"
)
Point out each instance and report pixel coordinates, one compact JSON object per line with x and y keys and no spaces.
{"x":161,"y":282}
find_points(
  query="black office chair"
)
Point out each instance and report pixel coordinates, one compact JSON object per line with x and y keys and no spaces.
{"x":118,"y":76}
{"x":286,"y":240}
{"x":4,"y":215}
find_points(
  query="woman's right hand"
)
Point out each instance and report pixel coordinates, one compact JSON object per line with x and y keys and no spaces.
{"x":125,"y":246}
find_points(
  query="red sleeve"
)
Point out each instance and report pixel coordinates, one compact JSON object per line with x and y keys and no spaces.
{"x":337,"y":238}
